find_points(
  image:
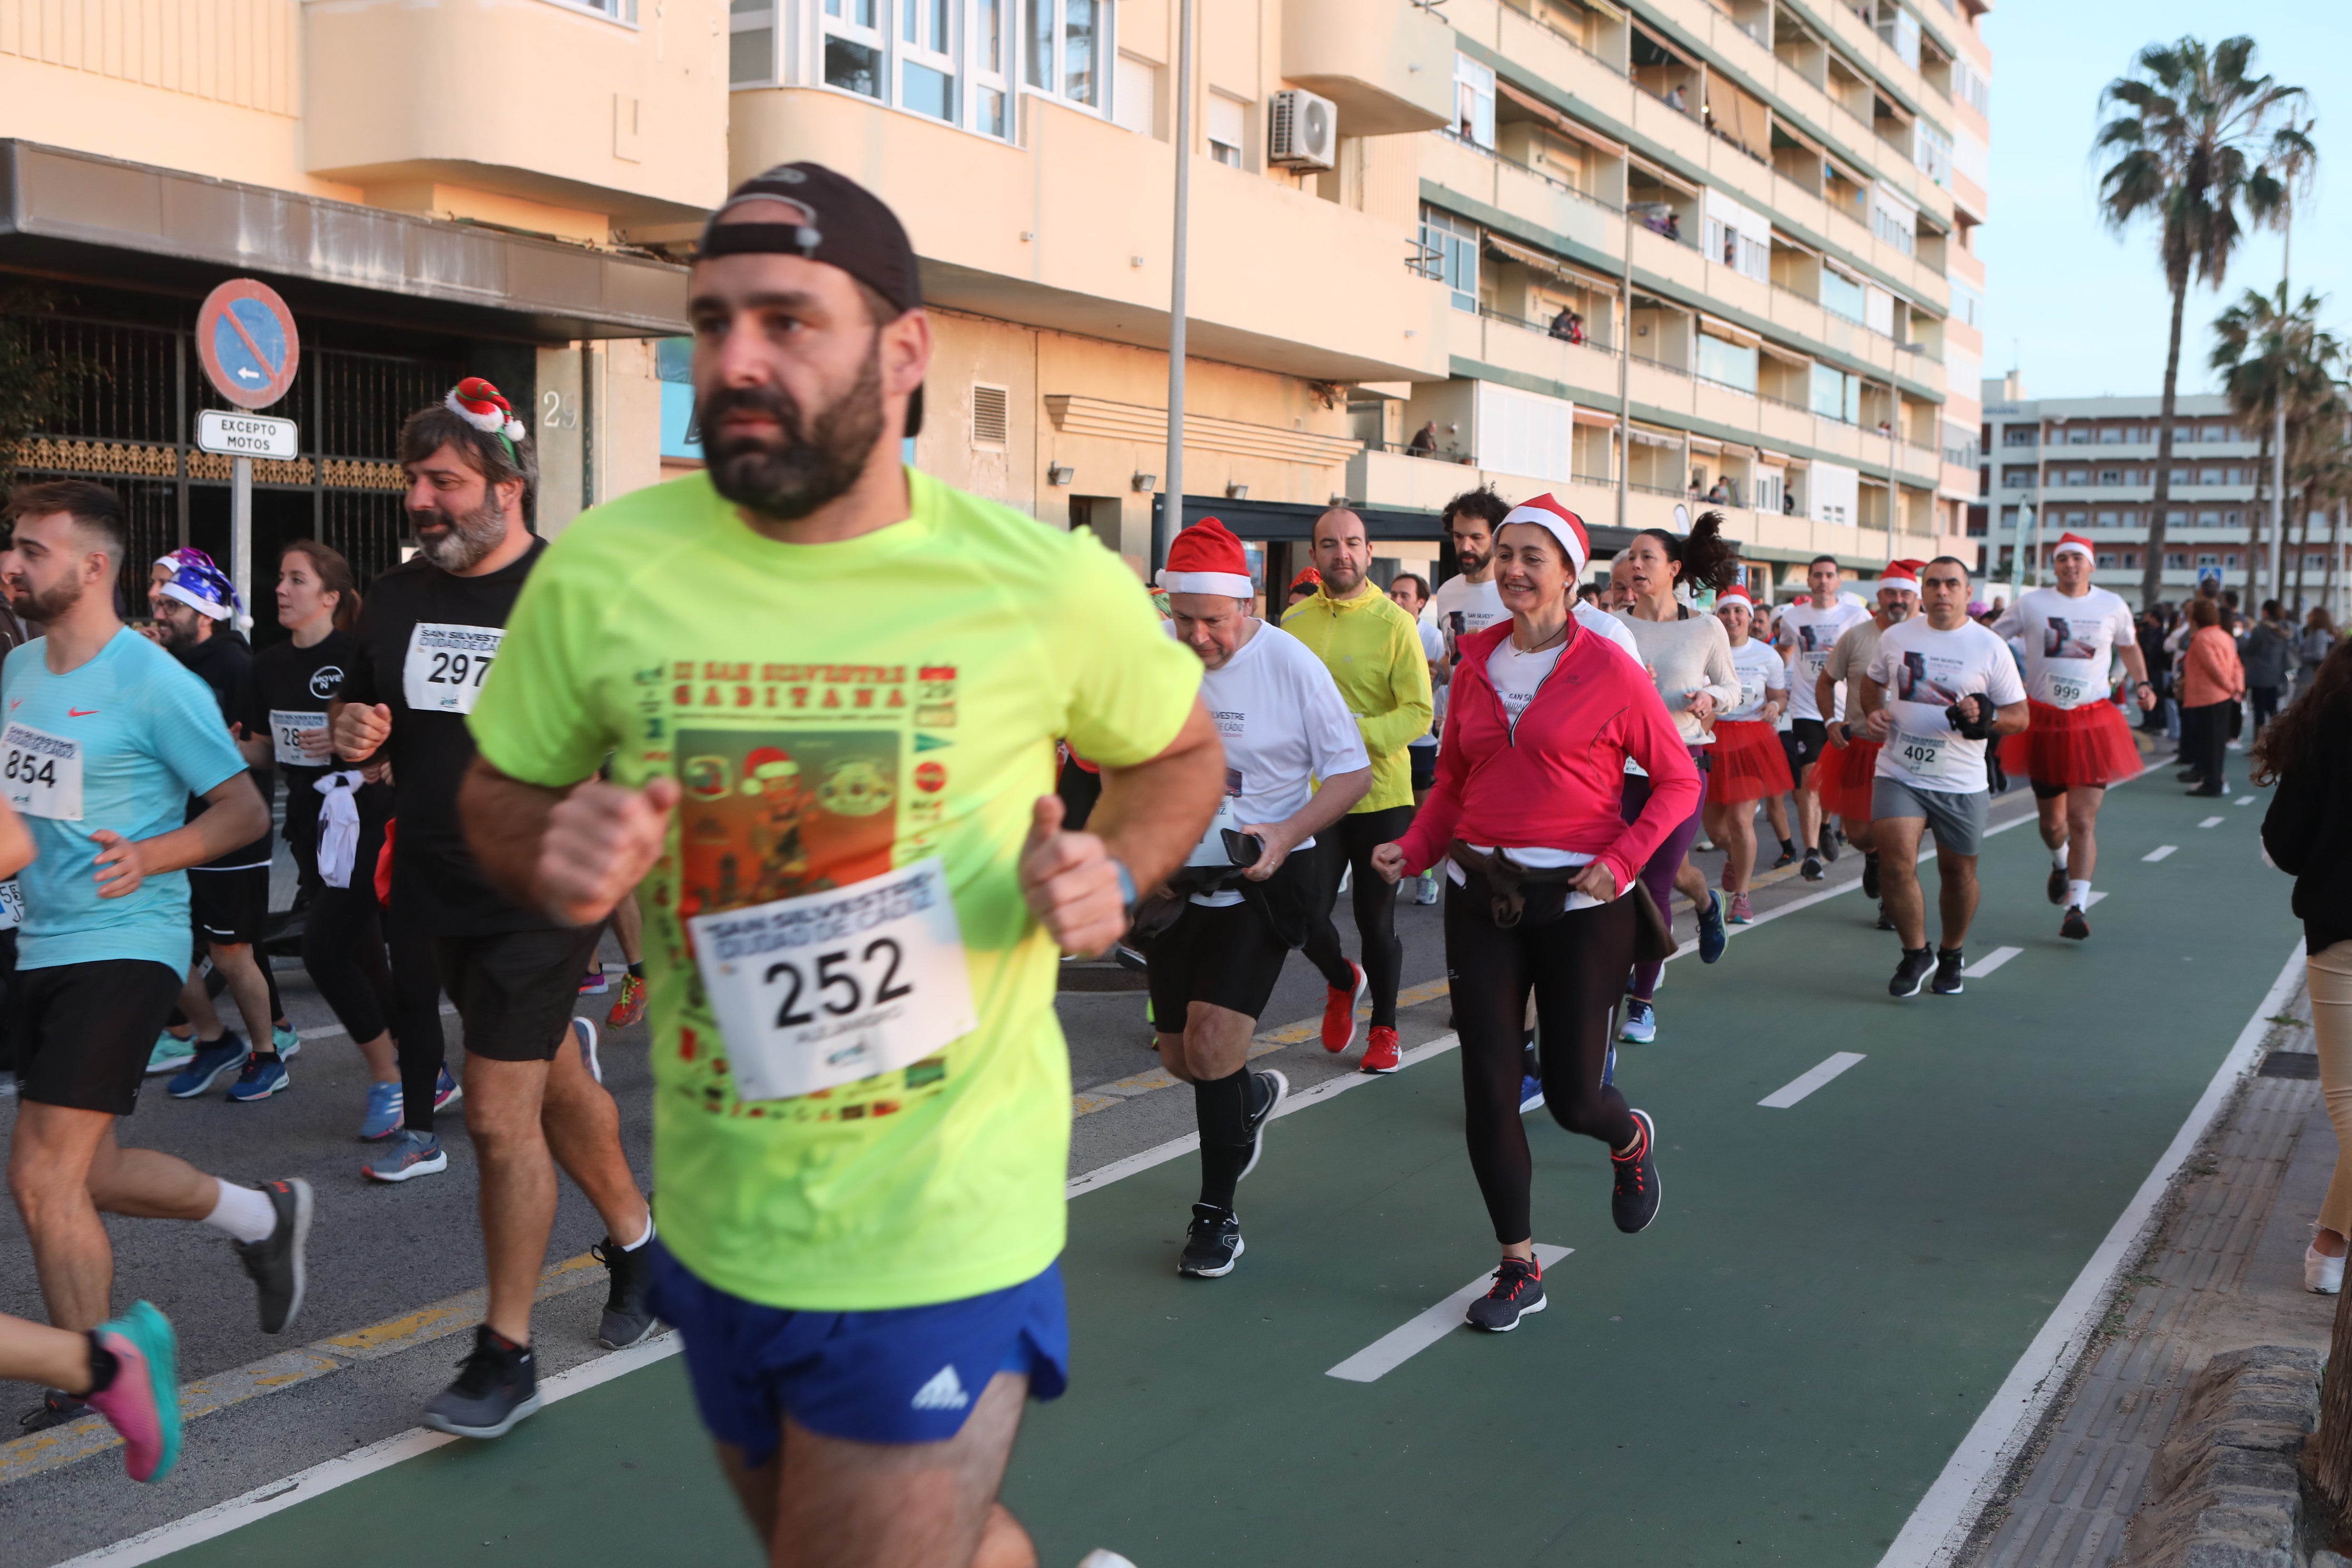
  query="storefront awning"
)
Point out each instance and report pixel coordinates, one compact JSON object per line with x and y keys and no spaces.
{"x":1558,"y":122}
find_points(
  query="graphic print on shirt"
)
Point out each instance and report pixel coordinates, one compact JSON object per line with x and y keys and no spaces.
{"x":1915,"y":683}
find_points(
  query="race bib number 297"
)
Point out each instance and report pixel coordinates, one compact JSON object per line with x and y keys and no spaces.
{"x":447,"y":665}
{"x":40,"y":772}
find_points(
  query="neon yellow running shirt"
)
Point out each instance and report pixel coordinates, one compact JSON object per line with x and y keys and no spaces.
{"x":838,"y":717}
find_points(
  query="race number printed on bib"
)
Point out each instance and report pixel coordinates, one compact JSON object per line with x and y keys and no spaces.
{"x":285,"y":732}
{"x":828,"y":988}
{"x":41,"y":773}
{"x":2060,"y":690}
{"x":12,"y":905}
{"x":1925,"y":756}
{"x":447,"y":665}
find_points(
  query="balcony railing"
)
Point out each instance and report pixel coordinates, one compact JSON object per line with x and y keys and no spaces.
{"x":1526,"y":13}
{"x":1543,"y":328}
{"x":1456,"y":136}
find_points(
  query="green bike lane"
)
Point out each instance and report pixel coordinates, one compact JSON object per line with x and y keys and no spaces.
{"x":1777,"y":1371}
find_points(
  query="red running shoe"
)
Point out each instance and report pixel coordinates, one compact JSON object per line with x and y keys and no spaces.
{"x":1340,"y":1012}
{"x":1381,"y":1054}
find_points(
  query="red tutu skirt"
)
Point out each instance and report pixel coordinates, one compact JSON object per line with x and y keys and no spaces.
{"x":2086,"y":745}
{"x":1842,"y":778}
{"x":1748,"y":763}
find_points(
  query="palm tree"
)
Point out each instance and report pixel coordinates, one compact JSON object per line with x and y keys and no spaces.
{"x":2323,"y":467}
{"x":2188,"y":145}
{"x":2263,"y":353}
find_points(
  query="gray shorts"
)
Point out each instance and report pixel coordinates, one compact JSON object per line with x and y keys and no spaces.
{"x":1957,"y":820}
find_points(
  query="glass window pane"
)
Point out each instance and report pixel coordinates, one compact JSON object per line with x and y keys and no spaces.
{"x":750,"y":55}
{"x":911,"y":18}
{"x":988,"y":47}
{"x":747,"y":7}
{"x":1078,"y":81}
{"x":853,"y":65}
{"x":862,"y":12}
{"x":988,"y":115}
{"x":938,"y":38}
{"x":1041,"y":42}
{"x":927,"y":91}
{"x":833,"y":7}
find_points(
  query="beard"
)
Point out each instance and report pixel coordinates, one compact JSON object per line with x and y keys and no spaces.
{"x":470,"y":536}
{"x":1471,"y":561}
{"x":44,"y":607}
{"x":813,"y":461}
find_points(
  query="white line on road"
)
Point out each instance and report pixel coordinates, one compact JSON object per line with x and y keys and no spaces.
{"x":1990,"y":962}
{"x":1935,"y":1531}
{"x":1796,"y":1088}
{"x":2211,"y":822}
{"x":1398,"y":1346}
{"x":2092,"y":902}
{"x":2160,"y":852}
{"x":2243,"y":800}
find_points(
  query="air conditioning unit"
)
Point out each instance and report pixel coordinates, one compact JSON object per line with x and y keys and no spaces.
{"x":1302,"y":130}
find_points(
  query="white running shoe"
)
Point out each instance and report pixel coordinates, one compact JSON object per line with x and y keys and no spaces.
{"x":1102,"y":1557}
{"x":2322,"y":1275}
{"x":586,"y":1032}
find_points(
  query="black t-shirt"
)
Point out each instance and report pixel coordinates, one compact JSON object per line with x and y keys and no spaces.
{"x":223,"y":661}
{"x":290,"y":679}
{"x":413,"y":636}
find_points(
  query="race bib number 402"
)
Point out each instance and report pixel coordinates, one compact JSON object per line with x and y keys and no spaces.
{"x":447,"y":665}
{"x":40,"y":772}
{"x":828,"y":988}
{"x":1926,"y":757}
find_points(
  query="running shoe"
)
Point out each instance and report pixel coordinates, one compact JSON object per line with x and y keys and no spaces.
{"x":408,"y":1155}
{"x":1811,"y":870}
{"x":1741,"y":913}
{"x":1885,"y":921}
{"x":1948,"y":972}
{"x":1530,"y":1093}
{"x":210,"y":1064}
{"x":1380,"y":1050}
{"x":1829,"y":844}
{"x":2205,"y":792}
{"x":1339,"y":1012}
{"x":1870,"y":874}
{"x":385,"y":1108}
{"x":586,"y":1032}
{"x":171,"y":1052}
{"x":2075,"y":927}
{"x":1213,"y":1243}
{"x":2057,"y":885}
{"x":1641,"y":1025}
{"x":1608,"y":1068}
{"x":629,"y":1008}
{"x":2322,"y":1275}
{"x":1633,"y":1203}
{"x":1788,"y":856}
{"x":1712,"y":936}
{"x":1517,"y":1290}
{"x":57,"y":1407}
{"x":593,"y":982}
{"x":285,"y":1041}
{"x":448,"y":1092}
{"x":1911,"y":975}
{"x":143,"y":1402}
{"x":1276,"y":1089}
{"x":262,"y":1076}
{"x":2190,"y":776}
{"x":497,"y":1386}
{"x":275,"y":1261}
{"x":628,"y":1317}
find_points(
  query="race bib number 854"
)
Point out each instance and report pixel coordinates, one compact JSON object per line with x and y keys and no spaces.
{"x":40,"y":772}
{"x":446,"y":666}
{"x":828,"y":988}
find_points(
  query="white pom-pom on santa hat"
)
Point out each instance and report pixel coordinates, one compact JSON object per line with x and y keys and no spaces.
{"x":1207,"y":559}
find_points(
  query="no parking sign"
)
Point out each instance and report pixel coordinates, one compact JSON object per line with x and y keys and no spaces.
{"x":246,"y":341}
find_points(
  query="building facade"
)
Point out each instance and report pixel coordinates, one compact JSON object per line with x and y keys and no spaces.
{"x":2088,"y":465}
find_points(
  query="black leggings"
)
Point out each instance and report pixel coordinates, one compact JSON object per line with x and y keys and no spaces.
{"x":343,"y":947}
{"x":1576,"y":965}
{"x":1350,"y":841}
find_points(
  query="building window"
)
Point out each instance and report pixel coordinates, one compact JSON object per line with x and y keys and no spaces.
{"x":1227,"y":136}
{"x":1969,"y":87}
{"x":2176,"y":561}
{"x":1726,"y":364}
{"x":2315,"y":563}
{"x":2017,"y":479}
{"x":1932,"y":151}
{"x":2131,"y":560}
{"x":1066,"y":40}
{"x":1842,"y":296}
{"x":944,"y":59}
{"x":2106,"y":560}
{"x":2208,"y":559}
{"x":2229,"y":560}
{"x":1451,"y":246}
{"x":926,"y":61}
{"x":750,"y":43}
{"x":619,"y":10}
{"x":1473,"y":101}
{"x":2017,"y":435}
{"x":1837,"y":396}
{"x":852,"y":46}
{"x":2111,"y":476}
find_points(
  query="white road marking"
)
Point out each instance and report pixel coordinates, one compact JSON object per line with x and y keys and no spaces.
{"x":2211,"y":822}
{"x":1796,"y":1088}
{"x":2092,"y":902}
{"x":1938,"y":1526}
{"x":1990,"y":961}
{"x":2243,"y":800}
{"x":1398,"y":1346}
{"x":2160,"y":852}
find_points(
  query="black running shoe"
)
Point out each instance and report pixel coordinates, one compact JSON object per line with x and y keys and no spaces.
{"x":2056,"y":888}
{"x":1213,"y":1243}
{"x":1829,"y":844}
{"x":628,"y":1319}
{"x":2190,"y":776}
{"x":1912,"y":972}
{"x":1870,"y":874}
{"x":1519,"y":1291}
{"x":57,"y":1407}
{"x":1885,"y":921}
{"x":497,"y":1386}
{"x":2075,"y":927}
{"x":1948,"y":972}
{"x":1788,"y":856}
{"x":275,"y":1261}
{"x":1811,"y":871}
{"x":1635,"y":1203}
{"x":1268,"y":1090}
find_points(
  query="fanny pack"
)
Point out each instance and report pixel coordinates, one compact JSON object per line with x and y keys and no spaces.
{"x":1508,"y":884}
{"x":1284,"y":898}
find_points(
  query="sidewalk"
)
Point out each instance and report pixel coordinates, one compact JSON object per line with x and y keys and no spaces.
{"x":2224,"y":1271}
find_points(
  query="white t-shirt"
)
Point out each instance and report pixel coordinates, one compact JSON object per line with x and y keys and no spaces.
{"x":1760,"y":670}
{"x":1595,"y":618}
{"x":2068,"y":643}
{"x":1925,"y":671}
{"x":1481,"y":604}
{"x":1807,"y":634}
{"x":1284,"y":724}
{"x":1516,"y":677}
{"x":1433,"y":649}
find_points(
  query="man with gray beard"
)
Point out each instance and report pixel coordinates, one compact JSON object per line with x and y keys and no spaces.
{"x":429,"y":634}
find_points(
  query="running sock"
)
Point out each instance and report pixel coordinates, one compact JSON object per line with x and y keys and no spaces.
{"x":103,"y":1366}
{"x":638,"y":969}
{"x":242,"y":1212}
{"x":1632,"y":1151}
{"x":270,"y":1056}
{"x":1222,"y":1106}
{"x":1789,"y":847}
{"x":2058,"y":858}
{"x":2078,"y":892}
{"x":644,"y":1238}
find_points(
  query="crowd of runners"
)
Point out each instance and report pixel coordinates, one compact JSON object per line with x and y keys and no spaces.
{"x":835,"y":849}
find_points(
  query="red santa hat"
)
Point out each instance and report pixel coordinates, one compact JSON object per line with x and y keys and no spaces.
{"x":1559,"y":521}
{"x":1735,"y":592}
{"x":2073,"y":543}
{"x":1308,"y":578}
{"x":1207,"y":559}
{"x":1900,"y":574}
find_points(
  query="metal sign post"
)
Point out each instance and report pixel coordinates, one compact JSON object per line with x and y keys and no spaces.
{"x":246,"y":341}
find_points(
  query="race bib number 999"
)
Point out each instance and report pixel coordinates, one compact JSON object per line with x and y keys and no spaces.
{"x":40,"y":772}
{"x":829,"y":988}
{"x":447,"y":665}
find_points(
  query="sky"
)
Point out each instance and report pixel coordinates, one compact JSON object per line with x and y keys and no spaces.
{"x":2081,"y":311}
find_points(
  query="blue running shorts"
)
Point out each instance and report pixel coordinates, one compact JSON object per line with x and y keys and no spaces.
{"x":906,"y":1374}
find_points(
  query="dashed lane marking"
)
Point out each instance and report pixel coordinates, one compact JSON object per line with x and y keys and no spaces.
{"x":2092,"y":902}
{"x":2211,"y":822}
{"x":2243,"y":800}
{"x":1399,"y":1345}
{"x":1990,"y":961}
{"x":2160,"y":852}
{"x":1796,"y":1088}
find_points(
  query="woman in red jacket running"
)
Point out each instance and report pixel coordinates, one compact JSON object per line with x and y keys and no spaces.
{"x":1541,"y":718}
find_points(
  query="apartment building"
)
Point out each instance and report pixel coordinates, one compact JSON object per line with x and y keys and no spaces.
{"x":1424,"y":239}
{"x":2088,"y":464}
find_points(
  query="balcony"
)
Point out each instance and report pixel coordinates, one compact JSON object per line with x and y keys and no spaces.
{"x":1388,"y":67}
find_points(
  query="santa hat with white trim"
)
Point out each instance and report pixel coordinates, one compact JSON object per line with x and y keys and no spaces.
{"x":2074,"y":544}
{"x":1562,"y":525}
{"x":1900,"y":574}
{"x":1207,"y":559}
{"x":1735,"y":592}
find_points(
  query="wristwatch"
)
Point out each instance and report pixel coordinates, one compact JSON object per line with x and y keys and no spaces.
{"x":1126,"y":888}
